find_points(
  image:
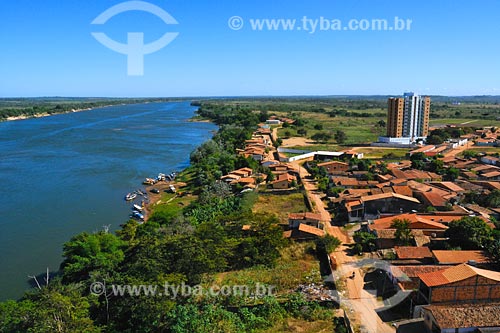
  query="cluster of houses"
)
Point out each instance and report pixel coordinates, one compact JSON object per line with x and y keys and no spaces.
{"x":403,"y":189}
{"x":486,"y":137}
{"x":275,"y":120}
{"x":261,"y":149}
{"x":450,"y":291}
{"x":455,"y":291}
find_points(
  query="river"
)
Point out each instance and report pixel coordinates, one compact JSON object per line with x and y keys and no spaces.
{"x":65,"y":174}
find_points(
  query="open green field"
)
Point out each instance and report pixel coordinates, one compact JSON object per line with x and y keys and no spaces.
{"x":485,"y":150}
{"x":171,"y":205}
{"x":477,"y":122}
{"x":280,"y":205}
{"x":358,"y":130}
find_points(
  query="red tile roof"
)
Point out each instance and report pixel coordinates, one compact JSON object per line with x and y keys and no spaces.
{"x":412,"y":271}
{"x":403,"y":190}
{"x":451,"y":316}
{"x":311,"y":230}
{"x":434,"y":199}
{"x":456,"y":274}
{"x":452,"y":186}
{"x":416,"y":222}
{"x":449,"y":257}
{"x":491,"y":174}
{"x":412,"y":252}
{"x":332,"y":163}
{"x":388,"y":195}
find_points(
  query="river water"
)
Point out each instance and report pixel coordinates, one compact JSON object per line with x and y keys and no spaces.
{"x":65,"y":174}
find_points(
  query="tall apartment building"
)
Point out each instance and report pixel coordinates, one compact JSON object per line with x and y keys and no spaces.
{"x":407,"y":119}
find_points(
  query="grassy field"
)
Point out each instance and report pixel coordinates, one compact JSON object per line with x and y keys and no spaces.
{"x":171,"y":204}
{"x":295,"y":266}
{"x":280,"y":205}
{"x":478,"y":122}
{"x":359,"y":130}
{"x":486,"y":150}
{"x":300,"y":325}
{"x":361,"y":125}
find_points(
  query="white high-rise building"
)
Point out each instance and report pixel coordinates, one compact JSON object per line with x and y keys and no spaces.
{"x":407,"y":118}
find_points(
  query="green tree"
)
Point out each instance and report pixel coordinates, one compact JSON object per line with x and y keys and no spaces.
{"x":318,"y":127}
{"x":469,"y":233}
{"x":365,"y":240}
{"x":86,"y":253}
{"x":434,"y":140}
{"x":436,"y":166}
{"x":321,"y":137}
{"x":493,"y":249}
{"x":452,"y":173}
{"x":340,"y":136}
{"x":470,"y":153}
{"x":261,"y":245}
{"x":493,"y":199}
{"x":47,"y":311}
{"x":327,"y":244}
{"x":402,"y":235}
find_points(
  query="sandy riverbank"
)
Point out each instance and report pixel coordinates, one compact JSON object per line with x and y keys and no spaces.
{"x":46,"y":114}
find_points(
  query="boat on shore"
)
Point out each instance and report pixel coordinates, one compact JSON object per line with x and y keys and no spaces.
{"x":138,"y":208}
{"x":130,"y":196}
{"x":138,"y":215}
{"x":149,"y":181}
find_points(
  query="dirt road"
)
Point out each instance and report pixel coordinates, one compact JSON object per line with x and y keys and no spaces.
{"x":360,"y":303}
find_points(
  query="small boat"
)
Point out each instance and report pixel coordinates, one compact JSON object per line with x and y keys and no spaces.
{"x":172,"y":188}
{"x":149,"y":181}
{"x":138,"y":208}
{"x":140,"y":192}
{"x":138,"y":215}
{"x":130,"y":196}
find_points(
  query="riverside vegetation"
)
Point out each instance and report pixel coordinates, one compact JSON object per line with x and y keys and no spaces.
{"x":192,"y":245}
{"x":200,"y":238}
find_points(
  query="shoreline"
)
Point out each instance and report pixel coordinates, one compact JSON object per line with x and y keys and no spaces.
{"x":45,"y":114}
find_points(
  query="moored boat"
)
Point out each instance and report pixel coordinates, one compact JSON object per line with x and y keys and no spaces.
{"x":138,"y":215}
{"x":130,"y":196}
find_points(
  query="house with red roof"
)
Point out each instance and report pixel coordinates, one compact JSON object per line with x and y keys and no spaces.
{"x":460,"y":284}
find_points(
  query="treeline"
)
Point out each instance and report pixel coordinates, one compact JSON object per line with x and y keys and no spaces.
{"x":204,"y":238}
{"x":345,"y":113}
{"x":440,"y":135}
{"x":33,"y":107}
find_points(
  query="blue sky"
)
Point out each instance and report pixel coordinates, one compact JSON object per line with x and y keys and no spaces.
{"x":453,"y":48}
